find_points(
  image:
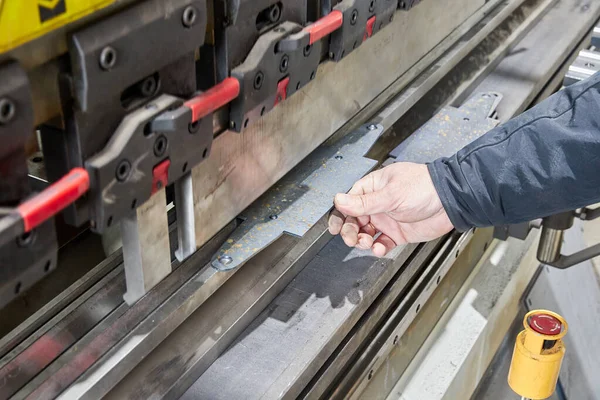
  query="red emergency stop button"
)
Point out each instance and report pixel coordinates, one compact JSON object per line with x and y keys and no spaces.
{"x":545,"y":324}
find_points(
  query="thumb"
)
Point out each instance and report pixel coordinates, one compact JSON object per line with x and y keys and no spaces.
{"x":359,"y":205}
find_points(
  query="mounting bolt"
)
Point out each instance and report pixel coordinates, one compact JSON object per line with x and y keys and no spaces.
{"x":354,"y":17}
{"x":189,"y":16}
{"x":108,"y":58}
{"x":284,"y":63}
{"x":123,"y":169}
{"x":26,"y":239}
{"x":274,"y":13}
{"x":339,"y":157}
{"x":258,"y":80}
{"x":7,"y":110}
{"x":193,"y":127}
{"x":307,"y":50}
{"x":273,"y":217}
{"x":160,"y":146}
{"x":372,"y":127}
{"x":225,"y":260}
{"x":148,"y":86}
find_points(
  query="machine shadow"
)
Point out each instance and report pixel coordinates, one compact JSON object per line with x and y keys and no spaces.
{"x":335,"y":286}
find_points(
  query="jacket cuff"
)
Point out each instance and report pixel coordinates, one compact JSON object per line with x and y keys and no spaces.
{"x":440,"y":175}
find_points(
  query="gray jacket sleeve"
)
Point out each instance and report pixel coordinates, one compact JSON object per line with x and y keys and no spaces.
{"x":545,"y":161}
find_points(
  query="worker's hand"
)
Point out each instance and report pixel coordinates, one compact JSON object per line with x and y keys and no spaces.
{"x":399,"y":202}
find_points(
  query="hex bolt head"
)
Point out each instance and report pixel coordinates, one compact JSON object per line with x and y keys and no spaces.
{"x":372,"y":127}
{"x":160,"y":145}
{"x":123,"y":170}
{"x":258,"y":80}
{"x":354,"y":17}
{"x":108,"y":58}
{"x":7,"y":110}
{"x":284,"y":63}
{"x":189,"y":16}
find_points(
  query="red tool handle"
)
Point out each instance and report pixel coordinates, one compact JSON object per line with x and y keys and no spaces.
{"x":54,"y":199}
{"x":325,"y":26}
{"x":213,"y":99}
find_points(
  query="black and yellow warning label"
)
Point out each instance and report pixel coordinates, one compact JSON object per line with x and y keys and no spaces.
{"x":25,"y":20}
{"x":49,"y":9}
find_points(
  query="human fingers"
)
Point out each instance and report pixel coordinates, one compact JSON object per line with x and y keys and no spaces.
{"x":383,"y":245}
{"x":349,"y":231}
{"x":335,"y":222}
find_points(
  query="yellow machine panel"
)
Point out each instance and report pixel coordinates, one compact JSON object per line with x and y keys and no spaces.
{"x":25,"y":20}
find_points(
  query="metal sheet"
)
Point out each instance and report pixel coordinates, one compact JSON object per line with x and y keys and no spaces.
{"x":450,"y":130}
{"x":301,"y":198}
{"x":146,"y":247}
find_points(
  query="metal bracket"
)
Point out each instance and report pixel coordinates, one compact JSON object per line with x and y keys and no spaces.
{"x":16,"y":126}
{"x":118,"y":65}
{"x":125,"y":174}
{"x":239,"y":24}
{"x":29,"y":257}
{"x":300,"y":198}
{"x":270,"y":75}
{"x":362,"y":19}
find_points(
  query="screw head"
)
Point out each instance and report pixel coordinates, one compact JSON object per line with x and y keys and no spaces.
{"x":160,"y":146}
{"x":148,"y":86}
{"x":26,"y":239}
{"x":273,"y":217}
{"x":123,"y":170}
{"x":372,"y":127}
{"x":193,"y":127}
{"x":108,"y":58}
{"x":307,"y":50}
{"x":258,"y":80}
{"x":339,"y":157}
{"x":284,"y":63}
{"x":274,"y":13}
{"x":225,"y":260}
{"x":189,"y":16}
{"x":354,"y":17}
{"x":7,"y":110}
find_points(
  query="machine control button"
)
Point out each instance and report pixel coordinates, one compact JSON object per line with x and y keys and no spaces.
{"x":545,"y":324}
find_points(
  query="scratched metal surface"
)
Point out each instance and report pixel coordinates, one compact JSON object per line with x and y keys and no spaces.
{"x":450,"y":130}
{"x":300,"y":198}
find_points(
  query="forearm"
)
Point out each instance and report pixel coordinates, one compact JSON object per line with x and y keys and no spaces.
{"x":543,"y":162}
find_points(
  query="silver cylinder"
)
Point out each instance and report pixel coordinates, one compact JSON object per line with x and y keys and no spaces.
{"x":550,"y":245}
